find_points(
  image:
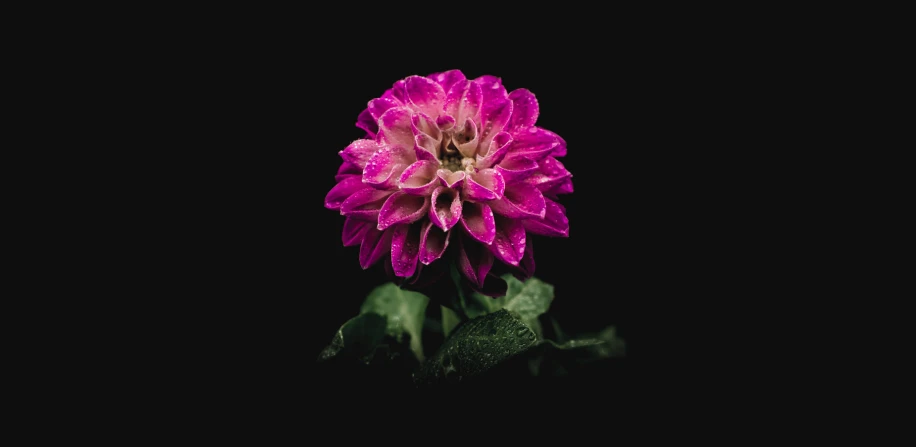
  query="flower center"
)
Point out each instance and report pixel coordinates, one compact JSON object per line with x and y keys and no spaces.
{"x":454,"y":161}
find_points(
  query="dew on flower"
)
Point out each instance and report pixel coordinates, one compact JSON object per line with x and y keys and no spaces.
{"x":453,"y":139}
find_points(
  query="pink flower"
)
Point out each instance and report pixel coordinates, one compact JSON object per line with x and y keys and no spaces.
{"x":451,"y":165}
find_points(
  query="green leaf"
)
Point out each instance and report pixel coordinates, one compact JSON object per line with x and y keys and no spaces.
{"x":476,"y":346}
{"x":404,"y":311}
{"x":554,"y":358}
{"x":449,"y":320}
{"x":358,"y":338}
{"x":528,"y":299}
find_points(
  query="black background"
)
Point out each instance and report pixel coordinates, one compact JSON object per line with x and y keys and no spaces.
{"x":262,"y":278}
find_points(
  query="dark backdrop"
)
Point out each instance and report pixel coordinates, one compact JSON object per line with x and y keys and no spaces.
{"x":272,"y":279}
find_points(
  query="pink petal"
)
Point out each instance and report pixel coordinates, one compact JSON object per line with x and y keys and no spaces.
{"x":428,"y":137}
{"x":534,"y":143}
{"x":354,"y":231}
{"x":466,"y":139}
{"x":524,"y":109}
{"x":347,"y":169}
{"x":517,"y":169}
{"x":451,"y":179}
{"x":493,"y":117}
{"x":509,"y":244}
{"x":474,"y":262}
{"x":445,"y":122}
{"x":550,"y":173}
{"x":425,"y":95}
{"x":378,"y":106}
{"x":384,"y":168}
{"x":420,"y":178}
{"x":402,"y":208}
{"x":394,"y":127}
{"x":499,"y":147}
{"x":366,"y":122}
{"x":525,"y":269}
{"x":342,"y":191}
{"x":433,"y":242}
{"x":365,"y":204}
{"x":564,"y":187}
{"x":478,"y":220}
{"x":375,"y":245}
{"x":445,"y":209}
{"x":448,"y":78}
{"x":520,"y":201}
{"x":397,"y":92}
{"x":360,"y":151}
{"x":426,"y":148}
{"x":553,"y":224}
{"x":405,"y":249}
{"x":492,"y":88}
{"x":463,"y":101}
{"x":421,"y":123}
{"x":485,"y":185}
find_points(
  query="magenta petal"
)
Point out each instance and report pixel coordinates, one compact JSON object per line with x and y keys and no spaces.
{"x":420,"y":178}
{"x":550,"y":173}
{"x":360,"y":151}
{"x":426,"y":148}
{"x":445,"y":208}
{"x":445,"y":122}
{"x":448,"y":78}
{"x":474,"y":262}
{"x":498,"y":149}
{"x":478,"y":220}
{"x":375,"y":245}
{"x":397,"y":92}
{"x":402,"y":208}
{"x":525,"y":269}
{"x":553,"y":224}
{"x":384,"y":168}
{"x":509,"y":244}
{"x":533,"y":143}
{"x":342,"y":191}
{"x":486,"y":185}
{"x":463,"y":101}
{"x":433,"y":242}
{"x":493,"y":117}
{"x":516,"y":170}
{"x":347,"y":169}
{"x":365,"y":204}
{"x":451,"y":179}
{"x":395,"y":129}
{"x":425,"y":95}
{"x":366,"y":122}
{"x":405,"y":249}
{"x":378,"y":106}
{"x":524,"y":109}
{"x":421,"y":123}
{"x":467,"y":139}
{"x":492,"y":88}
{"x":520,"y":200}
{"x":564,"y":187}
{"x":354,"y":230}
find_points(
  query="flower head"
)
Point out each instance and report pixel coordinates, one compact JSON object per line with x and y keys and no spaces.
{"x":451,"y":164}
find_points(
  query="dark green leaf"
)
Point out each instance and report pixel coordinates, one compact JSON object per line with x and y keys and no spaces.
{"x":357,"y":338}
{"x":553,"y":358}
{"x":528,"y":299}
{"x":404,"y":310}
{"x":478,"y":345}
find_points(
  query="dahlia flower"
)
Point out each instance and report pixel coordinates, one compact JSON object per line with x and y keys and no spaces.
{"x":451,"y":165}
